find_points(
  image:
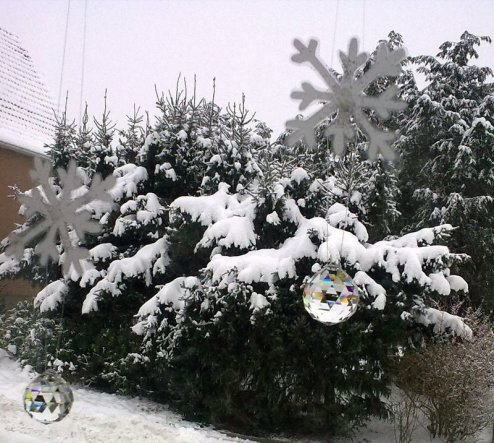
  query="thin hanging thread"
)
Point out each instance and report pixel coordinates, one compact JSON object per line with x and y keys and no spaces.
{"x":63,"y":57}
{"x":363,"y":24}
{"x":46,"y":338}
{"x":334,"y":31}
{"x":333,"y":46}
{"x":83,"y":64}
{"x":348,"y":199}
{"x":353,"y":156}
{"x":59,"y":340}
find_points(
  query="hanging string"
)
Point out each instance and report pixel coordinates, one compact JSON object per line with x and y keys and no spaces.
{"x":46,"y":337}
{"x":63,"y":57}
{"x":353,"y":159}
{"x":59,"y":340}
{"x":348,"y":197}
{"x":333,"y":46}
{"x":83,"y":64}
{"x":363,"y":24}
{"x":334,"y":31}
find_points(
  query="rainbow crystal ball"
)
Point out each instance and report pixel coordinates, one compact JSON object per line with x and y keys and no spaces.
{"x":330,"y":296}
{"x":48,"y":398}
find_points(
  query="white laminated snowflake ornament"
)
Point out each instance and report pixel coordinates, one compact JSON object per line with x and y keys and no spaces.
{"x":347,"y":99}
{"x":63,"y":214}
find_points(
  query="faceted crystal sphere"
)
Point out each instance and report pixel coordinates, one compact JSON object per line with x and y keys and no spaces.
{"x":48,"y":398}
{"x":330,"y":296}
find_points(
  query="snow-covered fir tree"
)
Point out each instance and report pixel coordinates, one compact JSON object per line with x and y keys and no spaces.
{"x":213,"y":330}
{"x":203,"y":253}
{"x":448,"y":155}
{"x":102,"y":158}
{"x":132,"y":138}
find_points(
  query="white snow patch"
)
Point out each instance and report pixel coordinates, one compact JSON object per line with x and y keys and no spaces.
{"x":210,"y":208}
{"x":172,"y":294}
{"x":182,"y":135}
{"x":228,"y":232}
{"x":439,"y":283}
{"x":273,"y":218}
{"x":102,"y":252}
{"x":457,"y":283}
{"x":298,"y":175}
{"x":128,"y":177}
{"x":258,"y":302}
{"x":443,"y":321}
{"x":375,"y":289}
{"x":49,"y":298}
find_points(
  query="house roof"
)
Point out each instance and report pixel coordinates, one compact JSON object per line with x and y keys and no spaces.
{"x":26,"y":110}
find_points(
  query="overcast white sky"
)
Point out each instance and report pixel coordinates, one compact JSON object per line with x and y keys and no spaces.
{"x":132,"y":45}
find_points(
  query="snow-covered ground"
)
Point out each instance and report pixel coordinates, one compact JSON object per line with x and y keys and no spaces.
{"x":98,"y":417}
{"x":95,"y":417}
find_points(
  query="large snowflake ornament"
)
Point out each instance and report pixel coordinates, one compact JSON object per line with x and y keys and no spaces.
{"x":346,"y":98}
{"x":61,"y":215}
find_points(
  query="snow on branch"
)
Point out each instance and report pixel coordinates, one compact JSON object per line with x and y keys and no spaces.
{"x":209,"y":209}
{"x":143,"y":211}
{"x":442,"y":322}
{"x":148,"y":261}
{"x":264,"y":265}
{"x":51,"y":296}
{"x":129,"y":176}
{"x":424,"y":236}
{"x":10,"y":265}
{"x":403,"y":259}
{"x":233,"y":231}
{"x":171,"y":295}
{"x":339,"y":216}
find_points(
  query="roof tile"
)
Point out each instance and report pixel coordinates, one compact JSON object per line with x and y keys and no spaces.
{"x":26,"y":111}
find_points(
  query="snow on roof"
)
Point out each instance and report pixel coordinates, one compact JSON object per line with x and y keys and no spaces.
{"x":26,"y":110}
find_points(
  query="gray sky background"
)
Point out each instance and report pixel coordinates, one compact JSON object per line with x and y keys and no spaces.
{"x":132,"y":45}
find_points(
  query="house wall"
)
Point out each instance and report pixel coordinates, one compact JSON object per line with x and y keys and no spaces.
{"x":14,"y":170}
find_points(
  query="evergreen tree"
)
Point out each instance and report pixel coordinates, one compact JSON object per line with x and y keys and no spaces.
{"x":214,"y":275}
{"x":447,"y":172}
{"x":140,"y":245}
{"x":132,"y":139}
{"x":208,"y":334}
{"x":64,"y":147}
{"x":102,"y":159}
{"x":234,"y":147}
{"x":84,"y":142}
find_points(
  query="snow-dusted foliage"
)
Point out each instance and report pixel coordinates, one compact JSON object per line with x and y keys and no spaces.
{"x":347,"y":98}
{"x":448,"y":151}
{"x":145,"y":263}
{"x":411,"y":259}
{"x":137,"y":228}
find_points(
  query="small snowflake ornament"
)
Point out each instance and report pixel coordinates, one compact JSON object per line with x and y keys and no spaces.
{"x":63,"y":216}
{"x":346,"y":98}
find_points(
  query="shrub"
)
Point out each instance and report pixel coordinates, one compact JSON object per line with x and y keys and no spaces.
{"x":33,"y":337}
{"x":450,"y":382}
